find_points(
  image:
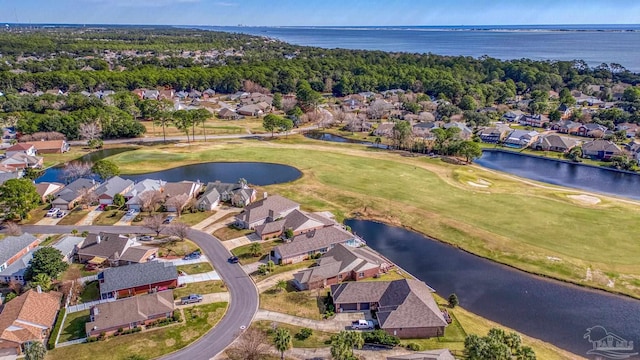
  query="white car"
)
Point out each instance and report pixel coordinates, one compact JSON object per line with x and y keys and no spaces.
{"x":131,"y":212}
{"x":362,"y":325}
{"x":52,"y":212}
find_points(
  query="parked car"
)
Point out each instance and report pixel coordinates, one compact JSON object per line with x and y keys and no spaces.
{"x":52,"y":212}
{"x":233,"y":260}
{"x":146,"y":238}
{"x":91,"y":267}
{"x":168,"y":219}
{"x":191,"y":299}
{"x":61,"y":214}
{"x":362,"y":325}
{"x":192,"y":256}
{"x":131,"y":212}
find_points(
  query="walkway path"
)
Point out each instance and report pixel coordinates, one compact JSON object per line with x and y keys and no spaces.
{"x":189,"y":279}
{"x":270,"y":282}
{"x":237,"y":242}
{"x":211,"y":220}
{"x":92,"y":215}
{"x":242,"y":289}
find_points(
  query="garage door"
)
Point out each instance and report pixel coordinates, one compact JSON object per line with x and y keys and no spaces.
{"x":364,"y":306}
{"x":349,"y":307}
{"x":7,"y":354}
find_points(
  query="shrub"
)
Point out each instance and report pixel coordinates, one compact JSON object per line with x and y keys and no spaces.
{"x":380,"y":337}
{"x":51,"y":343}
{"x":413,"y":347}
{"x":304,"y":334}
{"x":176,"y":316}
{"x":91,"y":339}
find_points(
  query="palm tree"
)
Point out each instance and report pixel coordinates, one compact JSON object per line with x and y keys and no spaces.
{"x":281,"y":285}
{"x":255,"y":249}
{"x":35,"y":351}
{"x":282,"y":341}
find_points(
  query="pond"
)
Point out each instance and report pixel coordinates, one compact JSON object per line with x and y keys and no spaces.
{"x":549,"y":310}
{"x":55,"y":174}
{"x":335,"y":138}
{"x":256,"y":173}
{"x":579,"y":176}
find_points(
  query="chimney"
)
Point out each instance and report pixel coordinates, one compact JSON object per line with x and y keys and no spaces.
{"x":98,"y":239}
{"x":271,"y":215}
{"x":39,"y":289}
{"x":265,"y":195}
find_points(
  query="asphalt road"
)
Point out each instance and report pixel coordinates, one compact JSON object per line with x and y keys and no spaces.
{"x":242,"y":289}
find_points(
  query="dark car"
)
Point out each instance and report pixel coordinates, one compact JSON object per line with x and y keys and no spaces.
{"x":169,"y":219}
{"x":233,"y":260}
{"x":194,"y":255}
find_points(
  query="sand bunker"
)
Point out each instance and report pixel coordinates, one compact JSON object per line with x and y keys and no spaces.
{"x":479,"y":183}
{"x":585,"y":199}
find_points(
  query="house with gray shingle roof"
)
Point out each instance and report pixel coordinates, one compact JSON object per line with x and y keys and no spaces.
{"x":554,"y":142}
{"x":600,"y":149}
{"x":298,"y":221}
{"x":114,"y":249}
{"x":521,"y":138}
{"x":135,"y":279}
{"x":342,"y":263}
{"x":405,"y":308}
{"x":313,"y":242}
{"x":133,"y":195}
{"x":13,"y":248}
{"x":67,"y":198}
{"x":110,"y":188}
{"x":208,"y":200}
{"x":265,"y":210}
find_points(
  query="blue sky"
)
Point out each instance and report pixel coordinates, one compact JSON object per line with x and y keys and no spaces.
{"x":321,"y":12}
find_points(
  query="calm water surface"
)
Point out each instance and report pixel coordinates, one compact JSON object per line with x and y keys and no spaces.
{"x":552,"y":311}
{"x":562,"y":173}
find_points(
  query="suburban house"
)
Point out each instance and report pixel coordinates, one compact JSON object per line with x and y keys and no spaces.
{"x":133,"y":196}
{"x":384,"y":129}
{"x":112,"y":187}
{"x":67,"y":198}
{"x":521,"y":138}
{"x":129,"y":313}
{"x":47,"y":189}
{"x":228,"y":114}
{"x":174,"y":189}
{"x":405,"y":308}
{"x":250,"y":110}
{"x":533,"y":120}
{"x":566,"y":127}
{"x":439,"y":354}
{"x":209,"y":200}
{"x":238,"y":194}
{"x":297,"y":221}
{"x":308,"y":244}
{"x":114,"y":249}
{"x":564,"y":110}
{"x":8,"y":173}
{"x":21,"y":148}
{"x":136,"y":279}
{"x":16,"y":271}
{"x":342,"y":263}
{"x":592,"y":130}
{"x":465,"y":132}
{"x":630,"y":129}
{"x":268,"y":209}
{"x":513,"y":116}
{"x":50,"y":146}
{"x":27,"y":318}
{"x":68,"y":246}
{"x":494,"y":134}
{"x":12,"y":248}
{"x":600,"y":149}
{"x":554,"y":142}
{"x":22,"y":161}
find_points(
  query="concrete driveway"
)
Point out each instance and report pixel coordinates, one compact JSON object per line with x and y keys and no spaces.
{"x":208,"y":276}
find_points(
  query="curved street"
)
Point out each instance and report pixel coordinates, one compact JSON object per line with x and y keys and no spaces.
{"x":242,"y":290}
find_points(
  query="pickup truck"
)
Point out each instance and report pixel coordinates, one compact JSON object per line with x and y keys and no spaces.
{"x":362,"y":325}
{"x":191,"y":299}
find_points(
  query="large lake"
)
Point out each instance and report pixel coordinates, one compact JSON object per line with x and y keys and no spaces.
{"x":594,"y":44}
{"x":550,"y":310}
{"x":591,"y":178}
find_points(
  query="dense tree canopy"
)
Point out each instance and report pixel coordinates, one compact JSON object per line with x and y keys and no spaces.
{"x":18,"y":197}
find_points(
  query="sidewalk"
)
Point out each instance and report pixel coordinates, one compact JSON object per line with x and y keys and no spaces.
{"x":180,"y":261}
{"x":237,"y":242}
{"x":220,"y":213}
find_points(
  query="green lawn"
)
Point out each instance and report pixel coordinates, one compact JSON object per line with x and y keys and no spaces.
{"x":176,"y":248}
{"x":203,"y":287}
{"x":316,"y":340}
{"x":91,"y":292}
{"x":307,"y":304}
{"x":196,"y":217}
{"x":198,"y":268}
{"x":230,"y":232}
{"x":246,"y":257}
{"x":73,"y":216}
{"x":109,"y":217}
{"x":36,"y":215}
{"x":279,"y":269}
{"x":73,"y":327}
{"x":148,"y":344}
{"x":511,"y":221}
